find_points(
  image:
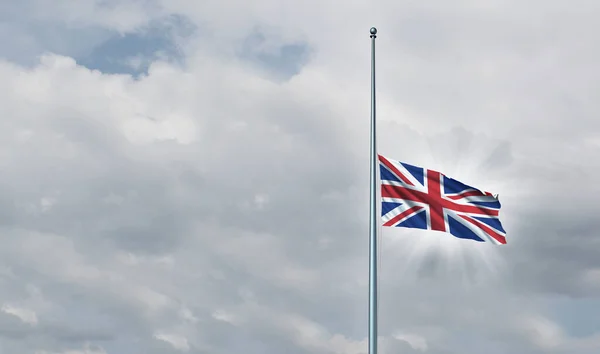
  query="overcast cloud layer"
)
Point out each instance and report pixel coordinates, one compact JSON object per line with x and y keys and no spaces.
{"x":192,"y":177}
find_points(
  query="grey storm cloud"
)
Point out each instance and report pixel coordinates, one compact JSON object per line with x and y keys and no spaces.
{"x":213,"y":198}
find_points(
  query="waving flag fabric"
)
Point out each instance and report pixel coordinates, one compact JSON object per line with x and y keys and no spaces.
{"x":416,"y":197}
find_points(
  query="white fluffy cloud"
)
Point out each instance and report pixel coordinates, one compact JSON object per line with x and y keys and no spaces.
{"x":208,"y":207}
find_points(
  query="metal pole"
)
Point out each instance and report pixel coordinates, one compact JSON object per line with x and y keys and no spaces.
{"x":373,"y":213}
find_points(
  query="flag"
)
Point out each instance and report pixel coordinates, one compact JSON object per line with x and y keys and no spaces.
{"x":415,"y":197}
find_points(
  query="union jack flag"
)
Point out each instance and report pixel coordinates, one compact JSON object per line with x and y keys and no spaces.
{"x":416,"y":197}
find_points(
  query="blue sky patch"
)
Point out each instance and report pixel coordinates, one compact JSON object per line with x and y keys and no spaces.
{"x":133,"y":53}
{"x":280,"y":60}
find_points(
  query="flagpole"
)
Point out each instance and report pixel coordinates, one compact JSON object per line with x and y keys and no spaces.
{"x":373,"y":212}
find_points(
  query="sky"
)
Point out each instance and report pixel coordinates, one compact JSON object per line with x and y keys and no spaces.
{"x":192,"y":177}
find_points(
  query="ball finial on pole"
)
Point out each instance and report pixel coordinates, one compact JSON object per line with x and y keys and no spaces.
{"x":373,"y":32}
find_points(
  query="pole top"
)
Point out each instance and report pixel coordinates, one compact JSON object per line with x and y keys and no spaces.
{"x":373,"y":32}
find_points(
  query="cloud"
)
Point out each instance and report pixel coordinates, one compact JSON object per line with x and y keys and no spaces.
{"x":414,"y":340}
{"x":217,"y":202}
{"x":87,"y":350}
{"x":176,"y":341}
{"x":23,"y":314}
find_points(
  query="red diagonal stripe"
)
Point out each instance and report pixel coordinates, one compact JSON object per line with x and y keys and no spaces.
{"x":402,"y":215}
{"x":394,"y":170}
{"x":467,"y":194}
{"x":501,"y":239}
